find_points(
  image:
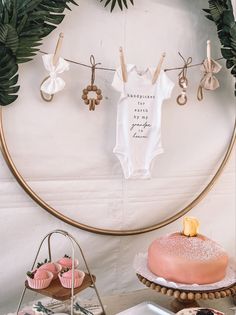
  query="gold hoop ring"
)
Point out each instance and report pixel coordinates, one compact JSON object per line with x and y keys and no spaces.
{"x":57,"y":214}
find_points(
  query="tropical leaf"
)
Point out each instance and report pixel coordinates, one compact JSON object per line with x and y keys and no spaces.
{"x":36,"y":20}
{"x":8,"y":77}
{"x":227,"y":53}
{"x":113,"y":3}
{"x":9,"y":37}
{"x":216,"y":9}
{"x":221,"y":12}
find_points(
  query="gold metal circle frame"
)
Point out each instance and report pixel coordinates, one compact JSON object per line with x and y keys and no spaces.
{"x":20,"y":179}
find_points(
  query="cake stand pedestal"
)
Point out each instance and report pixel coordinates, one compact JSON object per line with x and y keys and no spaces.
{"x":186,"y":299}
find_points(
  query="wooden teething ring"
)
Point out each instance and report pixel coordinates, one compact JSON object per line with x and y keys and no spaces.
{"x":92,"y":102}
{"x":183,"y":81}
{"x":184,"y":298}
{"x":182,"y":99}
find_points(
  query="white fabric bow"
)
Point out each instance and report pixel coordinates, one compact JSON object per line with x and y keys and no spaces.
{"x":53,"y":83}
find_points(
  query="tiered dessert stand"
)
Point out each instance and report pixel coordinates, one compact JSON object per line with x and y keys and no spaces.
{"x":55,"y":290}
{"x":184,"y":298}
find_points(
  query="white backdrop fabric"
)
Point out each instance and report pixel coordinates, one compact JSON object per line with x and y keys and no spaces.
{"x":65,"y":152}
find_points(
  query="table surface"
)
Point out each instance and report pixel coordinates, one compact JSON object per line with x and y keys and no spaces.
{"x":117,"y":303}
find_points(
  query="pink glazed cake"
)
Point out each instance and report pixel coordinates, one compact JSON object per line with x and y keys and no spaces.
{"x":190,"y":260}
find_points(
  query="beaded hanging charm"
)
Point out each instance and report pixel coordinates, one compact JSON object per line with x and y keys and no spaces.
{"x":183,"y":81}
{"x":92,"y":101}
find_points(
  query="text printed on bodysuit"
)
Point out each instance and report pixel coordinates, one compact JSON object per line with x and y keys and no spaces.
{"x":140,"y":125}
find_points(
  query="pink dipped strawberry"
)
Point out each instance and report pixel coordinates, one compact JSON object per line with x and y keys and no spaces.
{"x":66,"y":278}
{"x":54,"y":268}
{"x":41,"y":274}
{"x":38,"y":274}
{"x":68,"y":274}
{"x":67,"y":262}
{"x":39,"y":279}
{"x":31,"y":274}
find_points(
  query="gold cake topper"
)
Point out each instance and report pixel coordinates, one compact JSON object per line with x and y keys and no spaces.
{"x":191,"y":226}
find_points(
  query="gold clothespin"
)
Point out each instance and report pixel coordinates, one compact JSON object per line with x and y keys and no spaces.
{"x":209,"y":53}
{"x":56,"y":55}
{"x":158,"y":69}
{"x":123,"y":65}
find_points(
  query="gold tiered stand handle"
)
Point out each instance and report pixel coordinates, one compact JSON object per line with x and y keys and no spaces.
{"x":55,"y":290}
{"x":186,"y":298}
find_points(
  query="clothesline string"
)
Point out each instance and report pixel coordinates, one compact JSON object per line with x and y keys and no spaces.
{"x":111,"y":69}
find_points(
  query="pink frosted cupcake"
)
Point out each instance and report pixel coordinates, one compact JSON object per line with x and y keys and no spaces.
{"x":39,"y":279}
{"x":66,"y":262}
{"x":54,"y":268}
{"x":66,"y":278}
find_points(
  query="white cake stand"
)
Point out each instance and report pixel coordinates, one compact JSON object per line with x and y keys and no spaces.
{"x":187,"y":298}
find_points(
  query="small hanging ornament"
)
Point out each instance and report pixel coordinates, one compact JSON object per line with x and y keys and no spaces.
{"x":209,"y":68}
{"x":183,"y":81}
{"x":92,"y":101}
{"x":55,"y":65}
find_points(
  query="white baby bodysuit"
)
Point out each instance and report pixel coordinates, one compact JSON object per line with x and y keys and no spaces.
{"x":138,"y":131}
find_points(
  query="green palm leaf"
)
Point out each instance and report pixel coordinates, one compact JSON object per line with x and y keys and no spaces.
{"x":216,"y":9}
{"x":9,"y":37}
{"x":113,"y":3}
{"x":36,"y":20}
{"x":8,"y":77}
{"x":221,"y":12}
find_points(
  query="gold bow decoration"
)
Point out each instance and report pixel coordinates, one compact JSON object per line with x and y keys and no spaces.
{"x":208,"y":81}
